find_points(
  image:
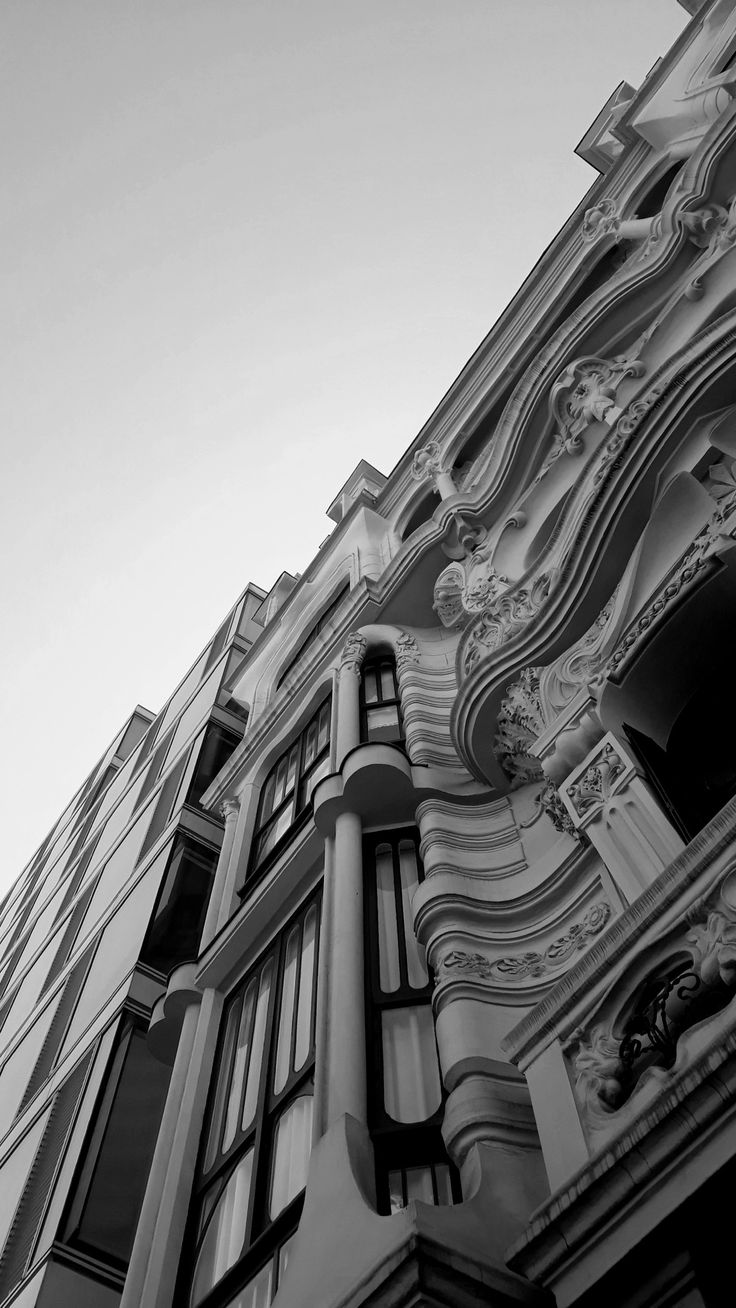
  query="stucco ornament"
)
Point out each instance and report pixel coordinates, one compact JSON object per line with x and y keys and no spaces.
{"x":353,"y":653}
{"x":584,"y":393}
{"x":551,"y":804}
{"x":714,"y":944}
{"x":428,"y":465}
{"x":598,"y":1072}
{"x":706,"y":225}
{"x":520,"y":723}
{"x":596,"y":785}
{"x":601,"y":220}
{"x":406,"y":649}
{"x":466,"y":588}
{"x":506,"y":618}
{"x":532,"y":964}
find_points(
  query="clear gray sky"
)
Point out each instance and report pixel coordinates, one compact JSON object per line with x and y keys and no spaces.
{"x":245,"y":243}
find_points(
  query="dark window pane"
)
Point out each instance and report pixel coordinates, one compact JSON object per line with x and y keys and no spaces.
{"x":119,"y":1169}
{"x":382,"y":724}
{"x":216,"y":749}
{"x":174,"y":934}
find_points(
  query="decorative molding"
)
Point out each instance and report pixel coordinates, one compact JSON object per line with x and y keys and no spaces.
{"x":353,"y":653}
{"x":428,"y":465}
{"x":551,"y":804}
{"x":719,"y":531}
{"x":517,"y":967}
{"x":407,"y":650}
{"x":520,"y":723}
{"x":505,"y":619}
{"x":584,"y":394}
{"x":590,"y":792}
{"x":602,"y":219}
{"x":466,"y":588}
{"x":229,"y":808}
{"x":692,"y":981}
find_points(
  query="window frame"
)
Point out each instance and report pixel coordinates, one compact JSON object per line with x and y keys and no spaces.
{"x":397,"y":1145}
{"x":184,"y":845}
{"x":128,"y":1026}
{"x":301,"y":811}
{"x":377,"y":662}
{"x":263,"y":1237}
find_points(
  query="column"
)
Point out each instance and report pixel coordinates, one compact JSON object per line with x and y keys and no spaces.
{"x":345,"y":1089}
{"x":223,"y":890}
{"x":608,"y":800}
{"x":348,"y":696}
{"x":154,"y":1263}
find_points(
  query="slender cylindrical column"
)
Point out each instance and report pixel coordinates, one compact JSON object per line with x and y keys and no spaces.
{"x":154,"y":1263}
{"x":345,"y":1090}
{"x":348,"y":709}
{"x":219,"y":907}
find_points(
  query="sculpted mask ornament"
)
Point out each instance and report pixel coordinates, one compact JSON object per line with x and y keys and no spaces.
{"x":466,"y":588}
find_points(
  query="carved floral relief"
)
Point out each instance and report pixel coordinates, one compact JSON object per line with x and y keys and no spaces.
{"x":519,"y":967}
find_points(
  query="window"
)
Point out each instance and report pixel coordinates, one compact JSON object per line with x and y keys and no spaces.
{"x":163,"y":807}
{"x":218,"y":644}
{"x":287,"y":791}
{"x":257,"y":1138}
{"x":18,"y":1251}
{"x":314,"y":632}
{"x":108,"y":1192}
{"x":217,"y":746}
{"x":176,"y":926}
{"x":380,"y":706}
{"x":405,"y":1096}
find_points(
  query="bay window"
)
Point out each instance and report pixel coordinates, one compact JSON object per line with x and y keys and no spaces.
{"x":258,"y":1133}
{"x":380,"y":705}
{"x":287,"y":791}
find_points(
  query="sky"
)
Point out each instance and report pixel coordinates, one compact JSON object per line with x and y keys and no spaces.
{"x":244,"y":244}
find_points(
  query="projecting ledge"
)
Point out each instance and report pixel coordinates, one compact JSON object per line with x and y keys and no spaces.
{"x":168,"y":1013}
{"x":381,"y":784}
{"x":347,"y":1255}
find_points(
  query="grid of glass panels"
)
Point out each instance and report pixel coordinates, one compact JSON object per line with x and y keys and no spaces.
{"x":405,"y":1097}
{"x":380,"y":706}
{"x":287,"y":791}
{"x":258,"y":1135}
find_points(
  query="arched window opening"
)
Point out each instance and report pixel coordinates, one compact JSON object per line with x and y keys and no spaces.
{"x":652,"y":200}
{"x":380,"y":706}
{"x":675,"y":704}
{"x":422,"y":513}
{"x":695,"y":775}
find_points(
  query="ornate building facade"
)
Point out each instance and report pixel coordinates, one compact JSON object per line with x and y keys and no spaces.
{"x":394,"y":961}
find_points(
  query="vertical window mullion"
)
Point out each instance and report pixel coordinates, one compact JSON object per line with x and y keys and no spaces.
{"x":264,"y":1106}
{"x":295,"y":1005}
{"x":400,"y":925}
